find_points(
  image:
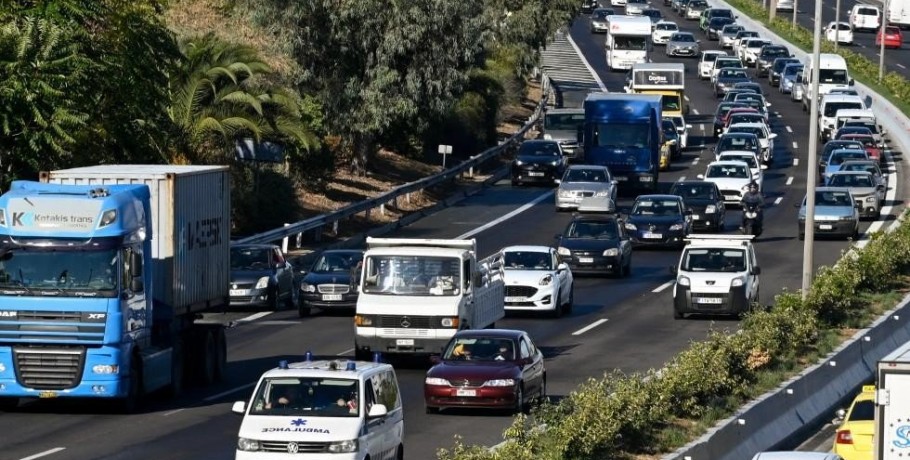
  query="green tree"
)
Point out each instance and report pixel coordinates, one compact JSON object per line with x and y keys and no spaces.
{"x":40,"y":68}
{"x":215,"y":101}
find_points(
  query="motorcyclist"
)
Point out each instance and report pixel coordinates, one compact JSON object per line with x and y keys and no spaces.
{"x":754,"y":197}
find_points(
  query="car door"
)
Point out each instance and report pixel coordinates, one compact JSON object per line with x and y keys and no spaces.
{"x":561,"y":279}
{"x":283,"y":273}
{"x":532,"y":370}
{"x":753,"y":277}
{"x":377,"y":432}
{"x":625,"y":244}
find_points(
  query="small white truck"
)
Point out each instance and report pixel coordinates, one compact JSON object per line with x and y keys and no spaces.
{"x":416,"y":293}
{"x":892,"y":405}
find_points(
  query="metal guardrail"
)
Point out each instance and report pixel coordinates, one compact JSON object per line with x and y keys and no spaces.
{"x":466,"y":167}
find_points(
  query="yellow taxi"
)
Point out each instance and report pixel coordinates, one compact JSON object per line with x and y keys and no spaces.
{"x":853,"y":438}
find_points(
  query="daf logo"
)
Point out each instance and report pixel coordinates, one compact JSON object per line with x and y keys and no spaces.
{"x":405,"y":322}
{"x":293,"y":448}
{"x":96,"y":315}
{"x":8,"y":314}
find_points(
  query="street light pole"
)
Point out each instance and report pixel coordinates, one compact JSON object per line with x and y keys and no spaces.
{"x":795,"y":7}
{"x":812,"y":160}
{"x":836,"y":25}
{"x":881,"y":52}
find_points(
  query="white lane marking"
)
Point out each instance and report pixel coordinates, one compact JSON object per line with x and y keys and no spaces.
{"x":795,"y":145}
{"x":778,"y":200}
{"x":789,"y":129}
{"x":790,"y":180}
{"x":695,"y":111}
{"x":681,"y":178}
{"x":686,"y":98}
{"x":254,"y":316}
{"x":900,"y":65}
{"x":168,"y":414}
{"x":44,"y":454}
{"x":590,"y":326}
{"x":663,"y":286}
{"x":506,"y":217}
{"x":587,"y":64}
{"x":695,"y":161}
{"x":231,"y":391}
{"x":796,"y":162}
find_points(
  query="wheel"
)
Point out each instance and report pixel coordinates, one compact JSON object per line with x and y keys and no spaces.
{"x":274,"y":301}
{"x":520,"y":406}
{"x":432,"y":410}
{"x":542,"y":396}
{"x":208,"y":369}
{"x":293,"y":298}
{"x":302,"y":309}
{"x":130,"y":403}
{"x":175,"y":389}
{"x":557,"y":306}
{"x":567,"y":308}
{"x":220,"y":354}
{"x":400,"y":454}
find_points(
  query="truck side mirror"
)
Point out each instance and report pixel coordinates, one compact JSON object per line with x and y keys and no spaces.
{"x":135,"y":264}
{"x":136,"y":284}
{"x":850,"y":83}
{"x":756,"y":270}
{"x":239,"y":407}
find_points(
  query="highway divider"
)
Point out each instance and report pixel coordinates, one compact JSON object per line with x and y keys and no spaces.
{"x":319,"y":223}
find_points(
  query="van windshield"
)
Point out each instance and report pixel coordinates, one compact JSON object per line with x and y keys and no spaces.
{"x":831,"y":108}
{"x":833,"y":76}
{"x":714,"y":260}
{"x":628,"y":43}
{"x":307,"y":397}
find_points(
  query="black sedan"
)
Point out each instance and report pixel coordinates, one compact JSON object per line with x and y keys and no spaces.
{"x":767,"y":55}
{"x":261,"y":277}
{"x":587,"y":6}
{"x":716,"y":25}
{"x":705,"y":201}
{"x":726,"y":78}
{"x":659,"y":220}
{"x":540,"y":161}
{"x":596,"y":244}
{"x":777,"y":69}
{"x":332,"y":282}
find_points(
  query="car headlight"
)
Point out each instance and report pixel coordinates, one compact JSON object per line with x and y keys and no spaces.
{"x":565,"y":194}
{"x":545,"y":281}
{"x":307,"y":287}
{"x":846,"y":218}
{"x":548,"y":137}
{"x":683,"y":281}
{"x":436,"y":381}
{"x":363,"y":320}
{"x":262,"y":283}
{"x":612,"y":252}
{"x":346,"y":446}
{"x":519,"y":163}
{"x":738,"y":281}
{"x":870,"y":199}
{"x":631,"y":226}
{"x":499,"y":383}
{"x":710,"y":209}
{"x":248,"y":445}
{"x":554,"y":163}
{"x":563,"y":251}
{"x":676,"y":227}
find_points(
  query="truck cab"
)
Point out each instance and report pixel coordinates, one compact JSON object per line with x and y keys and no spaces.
{"x":561,"y":125}
{"x":416,"y":293}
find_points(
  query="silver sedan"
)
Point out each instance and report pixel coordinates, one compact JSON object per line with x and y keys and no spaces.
{"x":582,"y":181}
{"x":683,"y":44}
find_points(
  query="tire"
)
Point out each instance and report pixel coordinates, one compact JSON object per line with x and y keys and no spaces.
{"x":520,"y":406}
{"x":400,"y":454}
{"x":130,"y":403}
{"x":431,"y":410}
{"x":302,"y":310}
{"x":542,"y":396}
{"x":293,"y":299}
{"x":208,"y":367}
{"x":557,"y":306}
{"x":567,"y":308}
{"x":274,"y":301}
{"x":178,"y":365}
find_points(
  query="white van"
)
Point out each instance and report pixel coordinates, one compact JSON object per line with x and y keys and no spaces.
{"x":716,"y":274}
{"x":628,"y":41}
{"x":833,"y":73}
{"x":828,"y":109}
{"x":865,"y":17}
{"x":324,"y":408}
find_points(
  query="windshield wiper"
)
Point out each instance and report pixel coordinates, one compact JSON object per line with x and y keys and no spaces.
{"x":20,"y":284}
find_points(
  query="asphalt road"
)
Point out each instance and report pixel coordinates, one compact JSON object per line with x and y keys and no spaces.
{"x":639,"y":333}
{"x":896,"y":60}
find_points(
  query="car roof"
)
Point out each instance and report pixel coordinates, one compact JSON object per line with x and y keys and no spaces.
{"x":327,"y":368}
{"x":718,"y":241}
{"x":253,"y":246}
{"x":828,"y":188}
{"x":728,"y":163}
{"x":851,"y":173}
{"x":343,"y":251}
{"x":526,"y":248}
{"x":603,"y":217}
{"x":738,"y":153}
{"x":739,"y":134}
{"x":658,"y":196}
{"x":540,"y":141}
{"x":747,"y":125}
{"x":494,"y":333}
{"x":598,"y":167}
{"x":691,"y":182}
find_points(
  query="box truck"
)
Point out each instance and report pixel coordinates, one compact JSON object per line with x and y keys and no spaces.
{"x":892,"y":406}
{"x":104,"y":272}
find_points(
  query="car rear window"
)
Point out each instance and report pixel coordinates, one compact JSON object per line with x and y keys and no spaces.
{"x":863,"y":410}
{"x":867,"y":11}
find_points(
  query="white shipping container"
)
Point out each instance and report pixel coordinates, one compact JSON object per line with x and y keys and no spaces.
{"x":191,"y":224}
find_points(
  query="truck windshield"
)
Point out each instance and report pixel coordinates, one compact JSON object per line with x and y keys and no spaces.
{"x":563,"y":121}
{"x":307,"y":396}
{"x":670,"y":103}
{"x":621,"y":135}
{"x":714,"y":260}
{"x":52,"y":271}
{"x":412,"y":275}
{"x":630,"y":43}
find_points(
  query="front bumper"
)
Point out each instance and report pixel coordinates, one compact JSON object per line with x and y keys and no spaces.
{"x":438,"y":396}
{"x":701,"y":222}
{"x":687,"y":52}
{"x":570,"y":202}
{"x":544,"y":298}
{"x":243,"y":455}
{"x":250,"y":298}
{"x":733,"y":302}
{"x":401,"y":341}
{"x":538,"y":174}
{"x":636,"y":181}
{"x":329,"y":301}
{"x":594,"y":264}
{"x":662,"y":238}
{"x":840,"y":228}
{"x":26,"y":368}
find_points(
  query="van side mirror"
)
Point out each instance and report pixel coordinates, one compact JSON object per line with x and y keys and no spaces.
{"x":756,"y":270}
{"x":239,"y":407}
{"x":673,"y":269}
{"x":378,"y":410}
{"x":851,"y":82}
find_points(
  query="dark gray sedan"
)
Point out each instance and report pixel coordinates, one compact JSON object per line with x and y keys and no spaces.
{"x":332,"y":282}
{"x":261,"y":277}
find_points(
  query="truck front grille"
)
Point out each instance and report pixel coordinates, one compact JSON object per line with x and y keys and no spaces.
{"x":413,"y":322}
{"x":49,"y":368}
{"x":76,"y":327}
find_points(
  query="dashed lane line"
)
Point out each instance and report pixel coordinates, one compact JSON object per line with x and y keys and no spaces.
{"x":590,"y":326}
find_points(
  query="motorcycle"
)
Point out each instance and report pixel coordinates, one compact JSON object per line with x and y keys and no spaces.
{"x":752,"y":219}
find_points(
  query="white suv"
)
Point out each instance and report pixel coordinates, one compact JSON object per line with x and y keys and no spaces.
{"x":352,"y":408}
{"x":716,"y":274}
{"x":732,"y":178}
{"x":865,"y":17}
{"x":706,"y":63}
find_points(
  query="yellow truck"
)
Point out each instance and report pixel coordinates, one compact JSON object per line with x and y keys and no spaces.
{"x":665,"y":79}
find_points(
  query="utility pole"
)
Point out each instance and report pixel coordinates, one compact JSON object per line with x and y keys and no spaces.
{"x":836,"y":25}
{"x":812,"y":160}
{"x":795,"y":8}
{"x":881,"y":52}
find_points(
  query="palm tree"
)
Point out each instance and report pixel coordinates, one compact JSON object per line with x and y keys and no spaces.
{"x":216,"y":101}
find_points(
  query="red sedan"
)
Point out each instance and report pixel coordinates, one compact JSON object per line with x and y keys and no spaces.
{"x":872,"y":148}
{"x":487,"y":368}
{"x":893,"y":37}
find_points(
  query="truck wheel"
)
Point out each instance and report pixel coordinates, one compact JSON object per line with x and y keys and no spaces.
{"x":130,"y":403}
{"x":175,"y":389}
{"x":8,"y":404}
{"x":220,"y":354}
{"x":302,"y":309}
{"x":207,"y":370}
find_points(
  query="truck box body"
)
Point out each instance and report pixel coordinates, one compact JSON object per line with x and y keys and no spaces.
{"x":899,"y":13}
{"x":190,"y":215}
{"x":623,"y":133}
{"x":892,"y":406}
{"x":665,"y":79}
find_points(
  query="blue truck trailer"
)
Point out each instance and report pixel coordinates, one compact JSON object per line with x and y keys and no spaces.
{"x":623,"y":133}
{"x":104,"y":274}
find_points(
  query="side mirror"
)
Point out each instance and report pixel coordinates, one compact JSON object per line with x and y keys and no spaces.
{"x":558,"y":181}
{"x":700,"y":176}
{"x":239,"y":407}
{"x":435,"y":359}
{"x":773,"y":136}
{"x":850,"y":83}
{"x":614,"y":182}
{"x":557,"y":236}
{"x":303,"y":272}
{"x":673,"y":269}
{"x":671,"y":142}
{"x":764,"y":167}
{"x":688,"y":126}
{"x":135,"y":264}
{"x":840,"y":414}
{"x":562,"y":267}
{"x":756,"y":270}
{"x":136,"y":284}
{"x":378,"y":410}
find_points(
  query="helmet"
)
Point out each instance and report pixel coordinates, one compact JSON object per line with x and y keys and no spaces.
{"x":753,"y":185}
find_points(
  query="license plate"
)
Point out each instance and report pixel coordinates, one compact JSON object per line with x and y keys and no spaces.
{"x":695,"y":217}
{"x":405,"y":342}
{"x":330,"y":297}
{"x":47,"y":394}
{"x":586,"y":260}
{"x":239,"y":292}
{"x":535,"y":174}
{"x":825,"y":227}
{"x":731,"y":197}
{"x":621,"y":178}
{"x":650,"y":235}
{"x":514,"y":299}
{"x":460,"y":392}
{"x":708,"y":300}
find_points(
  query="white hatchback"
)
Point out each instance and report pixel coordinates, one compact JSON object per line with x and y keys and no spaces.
{"x":536,"y":280}
{"x":839,"y":32}
{"x":663,"y":30}
{"x":706,"y":62}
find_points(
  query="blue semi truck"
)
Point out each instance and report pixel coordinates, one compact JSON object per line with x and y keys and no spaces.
{"x":104,"y":274}
{"x":623,"y":133}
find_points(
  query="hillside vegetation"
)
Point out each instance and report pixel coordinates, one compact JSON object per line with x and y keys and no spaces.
{"x":331,"y":83}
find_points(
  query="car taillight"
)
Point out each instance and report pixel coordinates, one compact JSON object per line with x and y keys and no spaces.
{"x":843,"y":437}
